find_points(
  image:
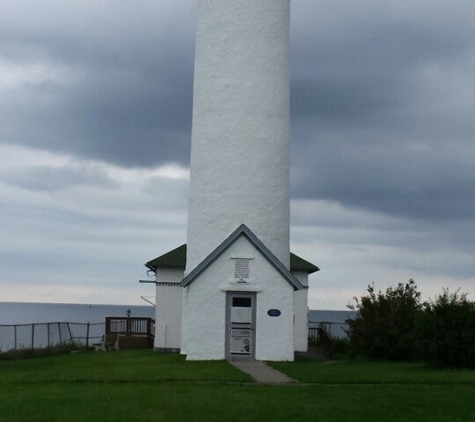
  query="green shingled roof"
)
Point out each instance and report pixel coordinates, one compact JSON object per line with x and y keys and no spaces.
{"x":173,"y":259}
{"x":177,"y":259}
{"x":299,"y":264}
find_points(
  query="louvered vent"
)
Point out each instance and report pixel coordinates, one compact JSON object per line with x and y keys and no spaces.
{"x":241,"y":268}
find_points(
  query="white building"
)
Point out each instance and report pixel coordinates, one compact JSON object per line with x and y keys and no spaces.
{"x":242,"y":296}
{"x":238,"y":293}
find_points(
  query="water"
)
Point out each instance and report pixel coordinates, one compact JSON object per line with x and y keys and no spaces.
{"x":32,"y":313}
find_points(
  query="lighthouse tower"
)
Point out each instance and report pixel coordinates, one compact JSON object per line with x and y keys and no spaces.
{"x":240,"y":132}
{"x":235,"y":291}
{"x":239,"y":167}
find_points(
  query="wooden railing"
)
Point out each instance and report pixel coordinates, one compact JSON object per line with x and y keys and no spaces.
{"x":319,"y":336}
{"x":135,"y":330}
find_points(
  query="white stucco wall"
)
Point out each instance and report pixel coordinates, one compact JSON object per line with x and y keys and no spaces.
{"x":301,"y":313}
{"x":240,"y":131}
{"x":168,"y":309}
{"x":204,"y":301}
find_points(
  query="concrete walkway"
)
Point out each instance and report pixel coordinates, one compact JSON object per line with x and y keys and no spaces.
{"x":260,"y":372}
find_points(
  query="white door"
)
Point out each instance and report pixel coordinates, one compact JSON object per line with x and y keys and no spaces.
{"x":240,"y":325}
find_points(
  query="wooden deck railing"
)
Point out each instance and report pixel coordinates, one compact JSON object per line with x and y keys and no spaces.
{"x":134,"y":329}
{"x":321,"y":337}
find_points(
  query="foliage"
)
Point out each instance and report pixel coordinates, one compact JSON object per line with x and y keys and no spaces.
{"x":394,"y":325}
{"x":341,"y":346}
{"x":384,"y":324}
{"x":446,"y":331}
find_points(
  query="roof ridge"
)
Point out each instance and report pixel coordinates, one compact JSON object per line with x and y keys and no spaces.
{"x":176,"y":258}
{"x":243,"y":230}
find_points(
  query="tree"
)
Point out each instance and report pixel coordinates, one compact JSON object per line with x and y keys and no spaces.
{"x":384,"y":324}
{"x":446,"y":331}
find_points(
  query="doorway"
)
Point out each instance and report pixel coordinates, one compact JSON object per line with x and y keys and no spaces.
{"x":240,"y":325}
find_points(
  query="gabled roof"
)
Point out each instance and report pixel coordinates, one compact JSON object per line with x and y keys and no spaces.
{"x":177,"y":259}
{"x":300,"y":264}
{"x":173,"y":259}
{"x":242,"y":230}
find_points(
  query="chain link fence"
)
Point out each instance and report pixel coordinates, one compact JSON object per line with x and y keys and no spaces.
{"x":49,"y":334}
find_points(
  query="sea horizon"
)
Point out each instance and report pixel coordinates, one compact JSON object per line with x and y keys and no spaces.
{"x":16,"y":313}
{"x":26,"y":312}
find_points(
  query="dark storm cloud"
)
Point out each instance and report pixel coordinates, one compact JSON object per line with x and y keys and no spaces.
{"x":398,"y":178}
{"x":383,"y":108}
{"x":355,"y":63}
{"x":125,"y":86}
{"x":378,"y":92}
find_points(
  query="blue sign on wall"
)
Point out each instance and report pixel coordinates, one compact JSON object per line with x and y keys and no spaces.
{"x":274,"y":312}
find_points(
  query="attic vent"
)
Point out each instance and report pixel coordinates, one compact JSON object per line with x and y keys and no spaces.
{"x":241,"y":267}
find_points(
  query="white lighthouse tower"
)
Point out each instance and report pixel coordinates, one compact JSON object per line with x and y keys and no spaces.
{"x":240,"y":132}
{"x":242,"y":295}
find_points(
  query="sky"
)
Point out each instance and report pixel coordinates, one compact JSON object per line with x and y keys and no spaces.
{"x":95,"y":120}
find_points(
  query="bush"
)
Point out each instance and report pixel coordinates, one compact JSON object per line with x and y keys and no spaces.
{"x":445,"y":331}
{"x":341,"y":346}
{"x":384,"y":324}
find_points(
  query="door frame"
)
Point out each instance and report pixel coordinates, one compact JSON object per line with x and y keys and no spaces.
{"x":229,"y":296}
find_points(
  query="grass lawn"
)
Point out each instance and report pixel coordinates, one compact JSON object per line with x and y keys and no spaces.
{"x":143,"y":386}
{"x":364,"y":372}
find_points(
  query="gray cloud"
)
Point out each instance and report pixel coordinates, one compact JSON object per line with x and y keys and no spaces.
{"x":427,"y":182}
{"x":382,"y":107}
{"x":124,"y":91}
{"x":44,"y":178}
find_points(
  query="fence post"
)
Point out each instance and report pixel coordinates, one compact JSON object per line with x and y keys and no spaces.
{"x":87,"y":335}
{"x":15,"y":338}
{"x":69,"y":331}
{"x":47,"y":329}
{"x":32,"y":336}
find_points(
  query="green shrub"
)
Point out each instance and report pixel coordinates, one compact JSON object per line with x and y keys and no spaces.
{"x":341,"y":346}
{"x":384,"y":324}
{"x":445,"y":331}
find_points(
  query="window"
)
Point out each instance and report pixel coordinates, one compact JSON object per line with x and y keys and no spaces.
{"x":241,"y":302}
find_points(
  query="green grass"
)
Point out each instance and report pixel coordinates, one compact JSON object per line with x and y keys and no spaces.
{"x":115,"y":367}
{"x":143,"y":386}
{"x":371,"y":372}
